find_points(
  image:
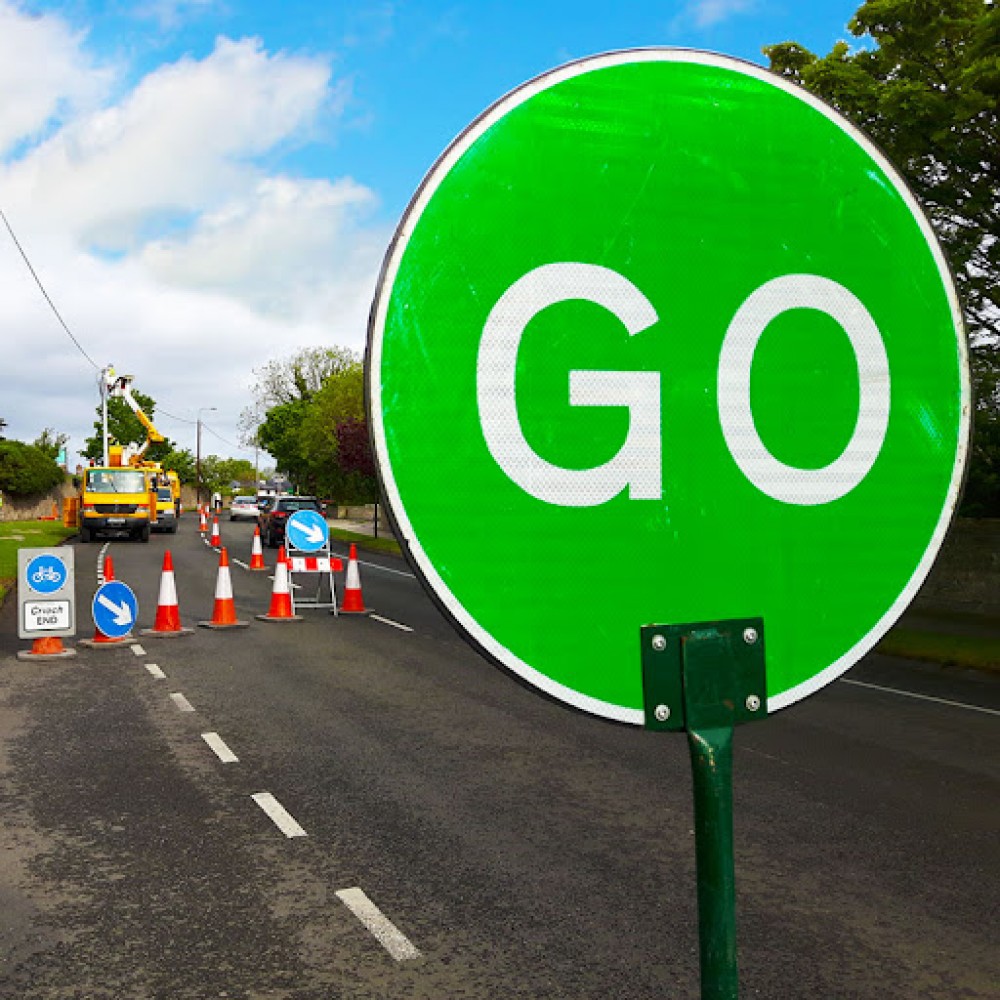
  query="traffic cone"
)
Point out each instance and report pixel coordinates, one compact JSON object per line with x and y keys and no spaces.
{"x":216,"y":540}
{"x":202,"y":521}
{"x":47,"y":647}
{"x":100,"y":639}
{"x":256,"y":552}
{"x":281,"y":609}
{"x":224,"y":611}
{"x":353,"y":602}
{"x":168,"y":616}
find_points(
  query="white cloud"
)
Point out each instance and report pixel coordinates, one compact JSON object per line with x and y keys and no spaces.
{"x":708,"y":13}
{"x":43,"y":75}
{"x":170,"y":249}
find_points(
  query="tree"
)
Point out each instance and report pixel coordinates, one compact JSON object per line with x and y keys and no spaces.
{"x":126,"y":428}
{"x":302,"y":375}
{"x":928,"y":93}
{"x":51,"y":443}
{"x":26,"y":470}
{"x":181,"y":461}
{"x":280,"y":435}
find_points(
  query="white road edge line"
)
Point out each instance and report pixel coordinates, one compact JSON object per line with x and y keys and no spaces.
{"x":154,"y":669}
{"x":923,"y":697}
{"x":385,"y":932}
{"x":383,"y":569}
{"x":389,"y":621}
{"x":239,"y":563}
{"x":219,"y":748}
{"x":137,"y":650}
{"x":183,"y":705}
{"x":278,"y":814}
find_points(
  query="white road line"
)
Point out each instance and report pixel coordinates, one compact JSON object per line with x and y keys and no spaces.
{"x":279,"y":815}
{"x":239,"y":563}
{"x":137,"y":650}
{"x":389,"y":621}
{"x":385,"y":932}
{"x":384,"y":569}
{"x":155,"y":670}
{"x":924,"y":697}
{"x":183,"y":705}
{"x":219,"y":748}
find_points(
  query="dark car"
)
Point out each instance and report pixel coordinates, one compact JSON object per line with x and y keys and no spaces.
{"x":273,"y":517}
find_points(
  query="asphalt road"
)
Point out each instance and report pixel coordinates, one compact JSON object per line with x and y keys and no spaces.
{"x":509,"y":847}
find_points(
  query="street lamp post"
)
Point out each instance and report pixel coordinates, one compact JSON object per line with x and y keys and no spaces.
{"x":197,"y":460}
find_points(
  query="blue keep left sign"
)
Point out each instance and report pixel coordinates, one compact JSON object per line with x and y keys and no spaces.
{"x":115,"y":609}
{"x":307,"y":531}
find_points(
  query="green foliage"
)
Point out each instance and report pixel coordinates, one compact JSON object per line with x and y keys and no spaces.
{"x":51,"y":443}
{"x":928,"y":93}
{"x":181,"y":461}
{"x":27,"y":471}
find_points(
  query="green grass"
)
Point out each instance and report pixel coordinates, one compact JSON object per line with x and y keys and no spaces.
{"x":380,"y":544}
{"x":16,"y":535}
{"x":981,"y":652}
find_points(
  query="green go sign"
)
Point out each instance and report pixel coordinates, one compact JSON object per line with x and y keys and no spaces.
{"x":662,"y":338}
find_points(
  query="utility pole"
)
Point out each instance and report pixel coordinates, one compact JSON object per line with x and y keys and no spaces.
{"x":197,"y":459}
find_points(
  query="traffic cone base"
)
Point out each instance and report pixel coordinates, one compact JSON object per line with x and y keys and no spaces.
{"x":47,"y":647}
{"x":353,"y":602}
{"x":224,"y":610}
{"x":281,"y":594}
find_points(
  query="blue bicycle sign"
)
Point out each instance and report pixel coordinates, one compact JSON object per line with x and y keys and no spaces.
{"x":46,"y":574}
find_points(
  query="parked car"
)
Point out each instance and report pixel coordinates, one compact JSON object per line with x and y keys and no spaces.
{"x":243,"y":508}
{"x":273,"y":517}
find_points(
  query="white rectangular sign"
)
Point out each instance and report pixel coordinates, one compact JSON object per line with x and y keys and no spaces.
{"x":46,"y":616}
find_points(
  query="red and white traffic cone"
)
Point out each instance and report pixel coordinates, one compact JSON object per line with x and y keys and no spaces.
{"x":168,"y":616}
{"x":353,"y":602}
{"x":256,"y":552}
{"x":216,"y":539}
{"x":100,"y":639}
{"x":281,"y":609}
{"x":224,"y":611}
{"x":202,"y":520}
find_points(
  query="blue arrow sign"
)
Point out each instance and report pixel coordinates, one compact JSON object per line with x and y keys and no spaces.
{"x":46,"y":574}
{"x":307,"y":531}
{"x":115,"y":609}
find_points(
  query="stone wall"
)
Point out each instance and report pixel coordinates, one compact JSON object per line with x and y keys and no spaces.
{"x":32,"y":508}
{"x":966,"y":575}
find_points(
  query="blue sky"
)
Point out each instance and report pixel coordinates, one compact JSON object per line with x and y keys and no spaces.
{"x":204,"y":186}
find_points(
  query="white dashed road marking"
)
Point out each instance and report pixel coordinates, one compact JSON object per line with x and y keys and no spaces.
{"x":386,"y":933}
{"x":389,"y":621}
{"x":278,"y":814}
{"x":137,"y":650}
{"x":215,"y":741}
{"x":923,"y":697}
{"x":155,"y":670}
{"x":181,"y":702}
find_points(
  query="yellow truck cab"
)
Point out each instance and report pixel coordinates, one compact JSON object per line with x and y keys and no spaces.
{"x":114,"y":499}
{"x":166,"y":510}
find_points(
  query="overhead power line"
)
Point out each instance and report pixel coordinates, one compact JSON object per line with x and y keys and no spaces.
{"x":52,"y":305}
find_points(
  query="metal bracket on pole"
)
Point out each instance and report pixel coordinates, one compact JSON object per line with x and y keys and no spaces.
{"x":705,"y":678}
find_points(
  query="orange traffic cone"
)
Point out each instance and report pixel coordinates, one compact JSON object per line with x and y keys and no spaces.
{"x":100,"y":639}
{"x":168,"y":616}
{"x":224,"y":611}
{"x":256,"y":552}
{"x":353,"y":602}
{"x":202,"y":520}
{"x":47,"y":647}
{"x":216,"y":539}
{"x":281,"y":609}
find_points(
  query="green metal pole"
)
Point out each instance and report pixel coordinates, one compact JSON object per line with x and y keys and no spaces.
{"x":712,"y":770}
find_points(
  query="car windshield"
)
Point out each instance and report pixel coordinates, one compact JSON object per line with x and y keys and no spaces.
{"x":163,"y":493}
{"x":115,"y":481}
{"x":299,"y":505}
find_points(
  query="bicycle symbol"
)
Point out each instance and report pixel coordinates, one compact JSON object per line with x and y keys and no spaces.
{"x":46,"y":574}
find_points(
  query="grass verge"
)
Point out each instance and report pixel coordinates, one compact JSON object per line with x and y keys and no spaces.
{"x":380,"y":544}
{"x":980,"y":652}
{"x":16,"y":535}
